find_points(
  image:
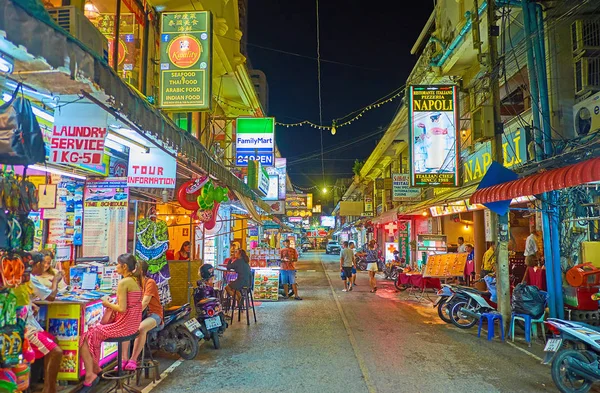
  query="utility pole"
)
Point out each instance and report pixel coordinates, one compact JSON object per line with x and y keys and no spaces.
{"x":502,"y":270}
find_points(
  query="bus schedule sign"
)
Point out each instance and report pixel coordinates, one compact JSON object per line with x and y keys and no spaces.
{"x":185,"y":60}
{"x":433,"y":135}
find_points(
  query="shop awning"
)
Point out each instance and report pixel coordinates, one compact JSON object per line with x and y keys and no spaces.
{"x":247,"y":202}
{"x":555,"y":179}
{"x":390,"y":215}
{"x":449,"y":197}
{"x":62,"y":64}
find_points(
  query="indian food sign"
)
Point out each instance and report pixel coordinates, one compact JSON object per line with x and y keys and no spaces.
{"x":433,"y":135}
{"x":185,"y":60}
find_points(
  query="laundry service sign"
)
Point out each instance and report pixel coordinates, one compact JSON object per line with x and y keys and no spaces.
{"x":255,"y":140}
{"x":78,"y":134}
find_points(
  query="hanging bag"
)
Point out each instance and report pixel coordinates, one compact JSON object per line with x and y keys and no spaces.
{"x":21,"y":140}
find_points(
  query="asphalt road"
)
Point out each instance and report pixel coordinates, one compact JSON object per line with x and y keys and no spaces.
{"x":334,"y":341}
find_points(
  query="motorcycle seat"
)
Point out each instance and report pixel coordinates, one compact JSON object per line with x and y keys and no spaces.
{"x":175,"y":309}
{"x":473,"y":290}
{"x":208,"y":300}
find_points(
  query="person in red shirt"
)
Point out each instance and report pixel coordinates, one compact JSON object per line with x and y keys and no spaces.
{"x":289,"y":256}
{"x":153,"y":312}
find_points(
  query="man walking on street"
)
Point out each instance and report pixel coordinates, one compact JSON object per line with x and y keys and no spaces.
{"x":346,"y":264}
{"x":352,"y":247}
{"x":289,"y":256}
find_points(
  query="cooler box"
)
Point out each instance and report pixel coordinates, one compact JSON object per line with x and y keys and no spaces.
{"x":580,"y":298}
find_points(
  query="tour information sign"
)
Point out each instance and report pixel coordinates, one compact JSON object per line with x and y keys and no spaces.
{"x":185,"y":60}
{"x":433,"y":136}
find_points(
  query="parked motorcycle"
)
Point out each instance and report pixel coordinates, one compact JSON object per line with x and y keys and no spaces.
{"x":465,"y":312}
{"x":574,"y":352}
{"x":209,"y":311}
{"x":445,"y":302}
{"x":180,"y":334}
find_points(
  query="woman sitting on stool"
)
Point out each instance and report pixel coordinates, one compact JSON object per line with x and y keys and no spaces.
{"x":241,"y":266}
{"x":153,"y":320}
{"x":126,"y":322}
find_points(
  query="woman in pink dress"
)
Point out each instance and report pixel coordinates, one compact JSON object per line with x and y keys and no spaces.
{"x":127,"y":317}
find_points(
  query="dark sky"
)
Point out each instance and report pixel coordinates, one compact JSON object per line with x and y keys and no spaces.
{"x":373,"y":37}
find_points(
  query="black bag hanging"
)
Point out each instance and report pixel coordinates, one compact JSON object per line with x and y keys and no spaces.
{"x":21,"y":139}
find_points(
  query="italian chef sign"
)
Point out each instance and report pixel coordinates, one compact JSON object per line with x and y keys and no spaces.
{"x":78,"y":134}
{"x":185,"y":60}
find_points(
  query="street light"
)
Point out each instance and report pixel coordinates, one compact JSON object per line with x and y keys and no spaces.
{"x":324,"y":190}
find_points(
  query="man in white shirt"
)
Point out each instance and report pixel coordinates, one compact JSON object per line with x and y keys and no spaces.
{"x":531,"y":249}
{"x":462,"y":247}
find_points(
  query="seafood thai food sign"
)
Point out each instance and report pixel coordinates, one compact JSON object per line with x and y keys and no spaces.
{"x":185,"y":60}
{"x":433,"y":135}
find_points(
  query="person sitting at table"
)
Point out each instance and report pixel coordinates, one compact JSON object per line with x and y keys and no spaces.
{"x":241,"y":266}
{"x":126,"y":321}
{"x":153,"y":320}
{"x":41,"y":341}
{"x":184,"y":252}
{"x":49,"y":272}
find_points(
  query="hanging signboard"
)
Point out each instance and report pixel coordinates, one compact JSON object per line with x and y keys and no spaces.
{"x":185,"y":60}
{"x":155,"y":169}
{"x":255,"y":140}
{"x":514,"y":147}
{"x":277,"y":207}
{"x":258,"y":178}
{"x":433,"y":118}
{"x":404,"y":240}
{"x":105,"y":218}
{"x":78,"y":134}
{"x":432,"y":243}
{"x":299,"y":201}
{"x":401,"y":190}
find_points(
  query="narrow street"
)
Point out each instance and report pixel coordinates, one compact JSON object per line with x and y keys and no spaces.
{"x":354,"y":342}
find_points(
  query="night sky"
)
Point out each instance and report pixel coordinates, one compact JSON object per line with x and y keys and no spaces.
{"x":372,"y":38}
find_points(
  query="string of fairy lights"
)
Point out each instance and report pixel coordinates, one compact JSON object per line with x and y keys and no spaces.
{"x":336,"y":123}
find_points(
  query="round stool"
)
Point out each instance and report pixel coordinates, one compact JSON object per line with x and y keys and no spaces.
{"x":119,"y":375}
{"x":246,"y":303}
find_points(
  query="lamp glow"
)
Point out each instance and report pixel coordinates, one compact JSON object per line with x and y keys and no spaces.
{"x":56,"y":171}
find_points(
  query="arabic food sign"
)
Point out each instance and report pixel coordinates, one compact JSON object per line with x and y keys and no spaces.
{"x":78,"y":134}
{"x":433,"y":136}
{"x":255,"y":140}
{"x":155,"y":169}
{"x":401,"y":190}
{"x":514,"y":147}
{"x":185,"y":60}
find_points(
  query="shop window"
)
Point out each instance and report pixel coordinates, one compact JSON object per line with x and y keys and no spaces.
{"x":131,"y":24}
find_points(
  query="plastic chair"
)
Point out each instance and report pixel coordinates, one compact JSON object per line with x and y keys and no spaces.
{"x":491,"y":319}
{"x":530,"y":323}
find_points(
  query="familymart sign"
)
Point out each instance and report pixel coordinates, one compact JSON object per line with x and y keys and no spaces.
{"x":255,"y":140}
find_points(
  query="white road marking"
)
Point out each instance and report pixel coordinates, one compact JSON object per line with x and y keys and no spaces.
{"x":164,"y":374}
{"x":525,"y":351}
{"x":361,"y":362}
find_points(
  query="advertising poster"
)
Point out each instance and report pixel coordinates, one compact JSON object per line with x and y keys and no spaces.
{"x":254,"y":140}
{"x":78,"y":134}
{"x":298,"y":201}
{"x":63,"y":323}
{"x":155,"y":169}
{"x":185,"y":60}
{"x":433,"y":120}
{"x":401,"y":190}
{"x":105,"y":217}
{"x":390,"y":247}
{"x":266,"y":284}
{"x":65,"y":220}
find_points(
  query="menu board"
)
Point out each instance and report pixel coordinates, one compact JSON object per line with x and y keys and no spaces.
{"x":446,"y":265}
{"x":266,"y":284}
{"x":105,"y":218}
{"x":264,"y":257}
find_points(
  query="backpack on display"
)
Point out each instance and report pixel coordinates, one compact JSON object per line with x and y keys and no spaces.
{"x":21,"y":139}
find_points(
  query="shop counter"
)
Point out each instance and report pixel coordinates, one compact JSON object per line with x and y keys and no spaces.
{"x":67,"y":321}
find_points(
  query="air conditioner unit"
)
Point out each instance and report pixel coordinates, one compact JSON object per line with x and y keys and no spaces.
{"x":586,"y":115}
{"x":587,"y":74}
{"x":482,"y":122}
{"x":585,"y":36}
{"x":74,"y":21}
